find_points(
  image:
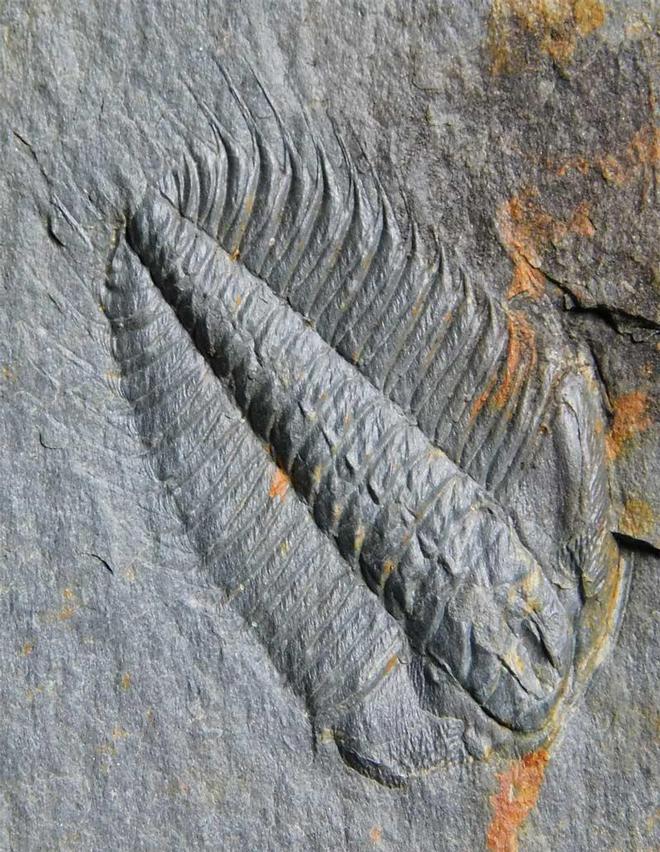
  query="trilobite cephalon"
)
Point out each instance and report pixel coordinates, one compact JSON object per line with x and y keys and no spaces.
{"x":440,"y":577}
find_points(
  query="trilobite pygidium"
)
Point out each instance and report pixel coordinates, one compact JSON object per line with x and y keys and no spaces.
{"x":440,"y":576}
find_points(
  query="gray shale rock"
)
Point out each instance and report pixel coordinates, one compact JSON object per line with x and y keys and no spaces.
{"x":169,"y":681}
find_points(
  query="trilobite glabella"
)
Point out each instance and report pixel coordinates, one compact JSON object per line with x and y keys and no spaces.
{"x":407,"y":584}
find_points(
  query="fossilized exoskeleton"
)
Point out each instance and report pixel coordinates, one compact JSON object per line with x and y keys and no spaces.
{"x":414,"y":584}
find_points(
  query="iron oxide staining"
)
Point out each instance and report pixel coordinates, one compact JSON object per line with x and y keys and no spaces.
{"x":406,"y":580}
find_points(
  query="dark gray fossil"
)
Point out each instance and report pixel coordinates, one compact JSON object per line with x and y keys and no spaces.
{"x":425,"y":601}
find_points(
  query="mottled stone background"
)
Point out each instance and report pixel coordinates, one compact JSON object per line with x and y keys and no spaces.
{"x":136,"y":712}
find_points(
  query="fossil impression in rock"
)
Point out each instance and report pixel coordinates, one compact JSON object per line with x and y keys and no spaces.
{"x":408,"y":498}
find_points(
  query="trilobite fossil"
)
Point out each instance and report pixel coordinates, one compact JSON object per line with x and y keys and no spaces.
{"x":404,"y":574}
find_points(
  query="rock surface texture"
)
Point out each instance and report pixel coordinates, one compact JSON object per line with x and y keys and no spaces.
{"x":328,"y":380}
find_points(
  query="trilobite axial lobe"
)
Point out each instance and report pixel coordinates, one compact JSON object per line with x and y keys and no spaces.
{"x":424,"y":536}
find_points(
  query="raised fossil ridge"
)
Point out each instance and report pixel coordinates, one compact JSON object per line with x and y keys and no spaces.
{"x":414,"y":419}
{"x":423,"y":534}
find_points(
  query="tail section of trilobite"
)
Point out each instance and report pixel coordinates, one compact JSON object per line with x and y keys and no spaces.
{"x":448,"y":504}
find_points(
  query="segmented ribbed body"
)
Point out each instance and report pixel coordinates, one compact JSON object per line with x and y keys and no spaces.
{"x":474,"y":376}
{"x":422,"y":533}
{"x":450,"y":506}
{"x":211,"y":484}
{"x":336,"y":645}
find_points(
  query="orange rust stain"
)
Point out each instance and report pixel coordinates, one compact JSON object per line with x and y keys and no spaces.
{"x":376,"y":835}
{"x":526,"y":281}
{"x":521,"y":347}
{"x":279,"y":484}
{"x":527,"y":231}
{"x":126,"y":681}
{"x":612,"y":169}
{"x":637,"y":518}
{"x":27,"y":649}
{"x":589,"y":15}
{"x":482,"y":399}
{"x":577,"y":164}
{"x":416,"y":308}
{"x":68,"y":610}
{"x":388,"y":567}
{"x":580,"y":223}
{"x":640,"y":155}
{"x":644,"y":147}
{"x":391,"y":664}
{"x":524,"y":228}
{"x":235,"y":254}
{"x":549,"y":27}
{"x":519,"y":791}
{"x":630,"y":418}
